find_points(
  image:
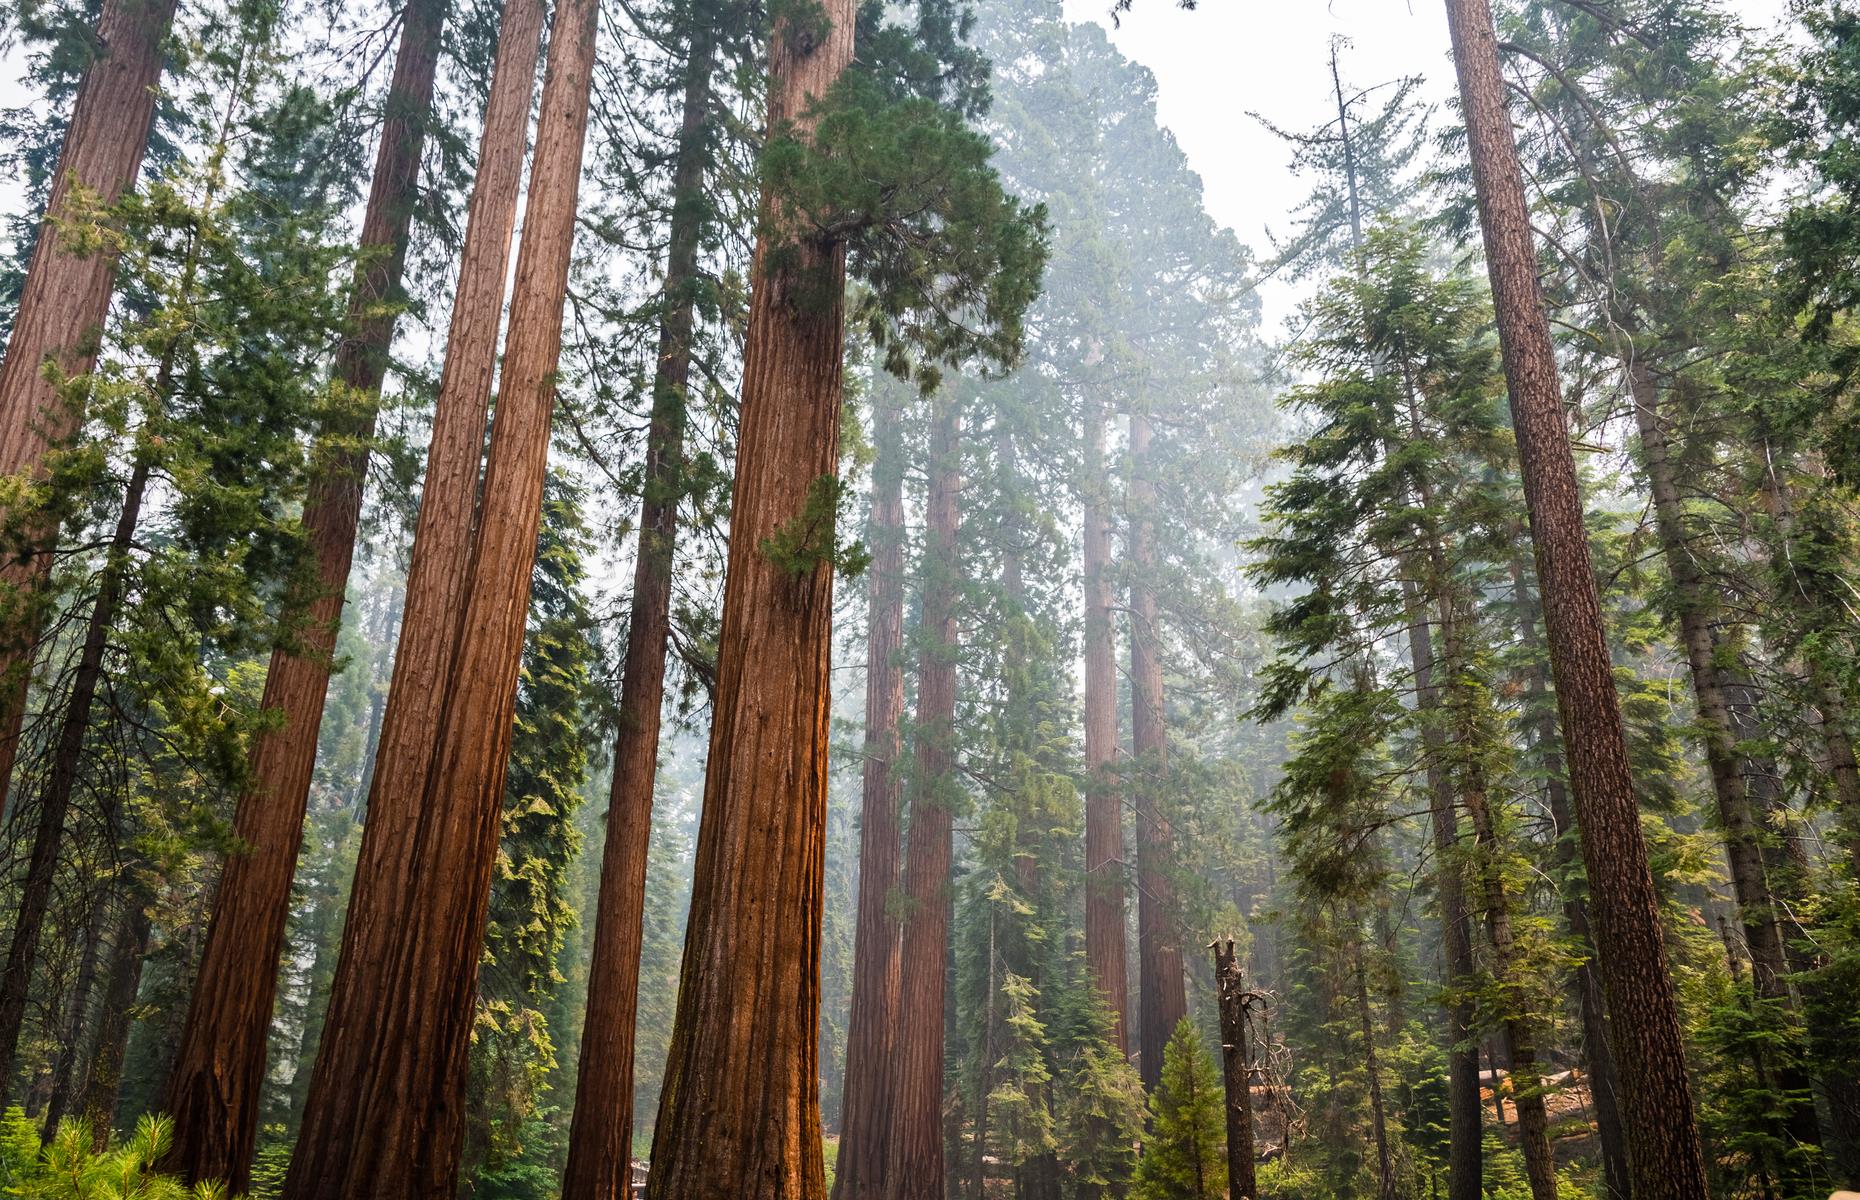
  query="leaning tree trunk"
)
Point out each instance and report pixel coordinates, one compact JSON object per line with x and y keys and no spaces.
{"x":386,"y":1105}
{"x":739,"y":1114}
{"x":1104,"y":814}
{"x":1236,"y":1072}
{"x":62,"y":309}
{"x":1603,"y":1088}
{"x":35,"y":895}
{"x":1161,"y":972}
{"x":915,"y":1169}
{"x":1630,"y":944}
{"x":220,"y":1069}
{"x":600,"y":1141}
{"x":865,"y":1126}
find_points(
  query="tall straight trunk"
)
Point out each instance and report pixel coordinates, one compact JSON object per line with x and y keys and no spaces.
{"x":1105,"y":950}
{"x":1161,"y":973}
{"x":35,"y":895}
{"x":385,"y":1113}
{"x":214,"y":1093}
{"x":1470,"y":787}
{"x":1603,"y":1087}
{"x":1465,"y":1135}
{"x":1630,"y":944}
{"x":62,"y":310}
{"x":915,"y":1170}
{"x":1386,"y":1188}
{"x":865,"y":1126}
{"x":1738,"y":819}
{"x":71,"y":1037}
{"x":1515,"y":1029}
{"x":984,"y":1082}
{"x":1236,"y":1072}
{"x":105,"y":1078}
{"x":600,"y":1143}
{"x":739,"y":1113}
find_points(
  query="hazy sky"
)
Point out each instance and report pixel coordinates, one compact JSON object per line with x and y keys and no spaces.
{"x":1227,"y":58}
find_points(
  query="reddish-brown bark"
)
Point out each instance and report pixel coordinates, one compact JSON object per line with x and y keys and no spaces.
{"x":865,"y":1128}
{"x":1104,"y":813}
{"x":915,"y":1170}
{"x":1630,"y":944}
{"x":384,"y":1115}
{"x":600,"y":1141}
{"x":1161,"y":971}
{"x":63,"y":305}
{"x":739,"y":1114}
{"x":214,"y":1092}
{"x":1599,"y":1060}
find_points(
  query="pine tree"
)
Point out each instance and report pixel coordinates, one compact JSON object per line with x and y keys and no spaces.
{"x":60,"y":314}
{"x":1184,"y":1157}
{"x":1649,"y":1049}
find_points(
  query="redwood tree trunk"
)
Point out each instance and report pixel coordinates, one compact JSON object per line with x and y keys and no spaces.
{"x":386,"y":1105}
{"x":739,"y":1114}
{"x":915,"y":1171}
{"x":62,"y":309}
{"x":1104,"y":814}
{"x":35,"y":895}
{"x":600,"y":1141}
{"x":1630,"y":944}
{"x":865,"y":1127}
{"x":214,"y":1092}
{"x":1236,"y":1072}
{"x":1161,"y":971}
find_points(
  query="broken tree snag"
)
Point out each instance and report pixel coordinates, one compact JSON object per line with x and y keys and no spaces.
{"x":1235,"y":1073}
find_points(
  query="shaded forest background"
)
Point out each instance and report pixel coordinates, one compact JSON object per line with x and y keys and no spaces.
{"x":1155,"y":626}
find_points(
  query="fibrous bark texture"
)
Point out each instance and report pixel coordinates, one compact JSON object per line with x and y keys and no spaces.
{"x":386,"y":1105}
{"x":739,"y":1114}
{"x":62,"y":308}
{"x":865,"y":1128}
{"x":915,"y":1171}
{"x":600,"y":1142}
{"x":1630,"y":944}
{"x":214,"y":1092}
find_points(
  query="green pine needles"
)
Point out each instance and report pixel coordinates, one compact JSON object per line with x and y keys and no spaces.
{"x":1186,"y":1156}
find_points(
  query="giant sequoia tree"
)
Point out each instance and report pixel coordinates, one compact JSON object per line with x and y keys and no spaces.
{"x":214,"y":1091}
{"x":402,"y":1005}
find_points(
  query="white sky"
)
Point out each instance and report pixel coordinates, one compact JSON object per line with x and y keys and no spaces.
{"x":1230,"y":57}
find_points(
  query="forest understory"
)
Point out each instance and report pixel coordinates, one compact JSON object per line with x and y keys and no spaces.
{"x":727,"y":601}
